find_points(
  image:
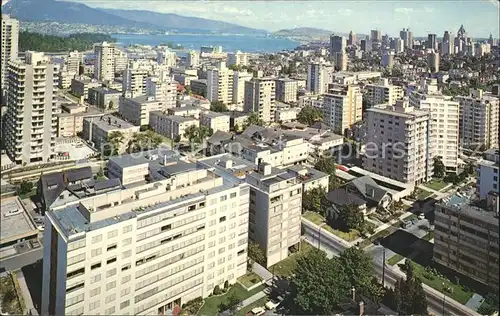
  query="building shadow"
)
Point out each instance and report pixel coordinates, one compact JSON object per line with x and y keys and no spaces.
{"x":33,"y":276}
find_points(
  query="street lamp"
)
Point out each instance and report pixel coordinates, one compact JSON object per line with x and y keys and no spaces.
{"x":319,"y":235}
{"x":444,"y":298}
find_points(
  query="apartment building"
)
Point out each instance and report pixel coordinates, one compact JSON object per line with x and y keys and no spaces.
{"x":188,"y":110}
{"x":479,"y":119}
{"x":433,"y":61}
{"x":64,"y":79}
{"x":399,"y":145}
{"x":215,"y":121}
{"x":444,"y":114}
{"x":80,"y":86}
{"x":136,"y":110}
{"x":199,"y":87}
{"x":30,"y":124}
{"x":466,"y":239}
{"x":98,"y":130}
{"x":237,"y":58}
{"x":239,"y":79}
{"x":134,"y":81}
{"x":146,"y":248}
{"x":73,"y":62}
{"x":220,"y":84}
{"x":70,"y":121}
{"x":286,"y":90}
{"x":104,"y":62}
{"x":382,"y":93}
{"x":171,"y":126}
{"x":342,"y":107}
{"x":260,"y":97}
{"x":285,"y":115}
{"x":121,"y":61}
{"x":104,"y":98}
{"x":163,"y":90}
{"x":193,"y":59}
{"x":167,"y":57}
{"x":275,"y":203}
{"x":318,"y":77}
{"x":487,"y":173}
{"x":10,"y":47}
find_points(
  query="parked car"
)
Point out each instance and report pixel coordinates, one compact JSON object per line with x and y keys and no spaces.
{"x":406,"y":224}
{"x":12,"y":213}
{"x":267,"y":290}
{"x":272,"y":304}
{"x":40,"y":227}
{"x":421,"y":216}
{"x":258,"y":311}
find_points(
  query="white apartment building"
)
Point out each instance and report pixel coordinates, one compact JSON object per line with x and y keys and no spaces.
{"x":148,"y":248}
{"x":166,"y":57}
{"x":479,"y":119}
{"x":285,"y":115}
{"x":342,"y":107}
{"x":215,"y":121}
{"x":73,"y":62}
{"x":238,"y":58}
{"x":193,"y":59}
{"x":318,"y":77}
{"x":10,"y":46}
{"x":64,"y":79}
{"x":220,"y":84}
{"x":275,"y":203}
{"x":30,"y":122}
{"x":162,"y":90}
{"x":80,"y":86}
{"x":286,"y":90}
{"x":104,"y":61}
{"x":488,"y":174}
{"x":171,"y":126}
{"x":433,"y":61}
{"x":398,"y":145}
{"x":382,"y":93}
{"x":260,"y":97}
{"x":444,"y":121}
{"x":136,"y":110}
{"x":239,"y":79}
{"x":97,"y":131}
{"x":121,"y":61}
{"x":134,"y":81}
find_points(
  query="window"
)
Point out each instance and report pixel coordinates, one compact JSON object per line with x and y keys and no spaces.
{"x":222,"y":219}
{"x":94,"y":305}
{"x":75,"y":287}
{"x":95,"y":252}
{"x":111,"y":272}
{"x":95,"y":266}
{"x":111,"y":247}
{"x":127,"y":229}
{"x":232,"y":195}
{"x":166,"y":227}
{"x":95,"y":278}
{"x":95,"y":292}
{"x":113,"y":233}
{"x":110,"y":311}
{"x":126,"y":254}
{"x":127,"y":241}
{"x":111,"y":260}
{"x":125,"y":292}
{"x":124,"y":304}
{"x":96,"y":239}
{"x":75,"y":273}
{"x":110,"y":298}
{"x":223,"y":198}
{"x":110,"y":285}
{"x":126,"y":279}
{"x":76,"y":245}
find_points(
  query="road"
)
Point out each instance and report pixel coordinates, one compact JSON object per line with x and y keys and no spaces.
{"x":434,"y":299}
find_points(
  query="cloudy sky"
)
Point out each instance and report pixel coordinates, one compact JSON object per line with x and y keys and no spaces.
{"x":480,"y":17}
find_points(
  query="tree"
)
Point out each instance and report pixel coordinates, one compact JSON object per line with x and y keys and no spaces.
{"x":309,"y":115}
{"x":218,"y":106}
{"x":312,"y":200}
{"x":326,"y":165}
{"x":115,"y":141}
{"x":351,"y":216}
{"x":111,"y":105}
{"x":253,"y":119}
{"x":318,"y":285}
{"x":230,"y":305}
{"x":25,"y":187}
{"x":256,"y":254}
{"x":202,"y":133}
{"x":191,"y":132}
{"x":439,"y":169}
{"x":146,"y":140}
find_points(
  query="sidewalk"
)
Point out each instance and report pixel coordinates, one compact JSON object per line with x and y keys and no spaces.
{"x":250,"y":300}
{"x":261,"y":271}
{"x":30,"y":307}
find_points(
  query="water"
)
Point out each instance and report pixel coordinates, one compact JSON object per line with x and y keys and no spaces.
{"x":229,"y":43}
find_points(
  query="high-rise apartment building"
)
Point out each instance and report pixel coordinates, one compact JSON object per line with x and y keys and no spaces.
{"x":431,"y":41}
{"x":73,"y":62}
{"x":260,"y":97}
{"x":163,"y":89}
{"x":193,"y":59}
{"x":239,"y":79}
{"x":318,"y":77}
{"x":407,"y":38}
{"x":398,"y":145}
{"x":479,"y":119}
{"x":399,"y":45}
{"x":352,"y":38}
{"x":237,"y":58}
{"x":148,"y":247}
{"x":338,"y":44}
{"x":340,"y":60}
{"x":286,"y":90}
{"x":104,"y":69}
{"x":10,"y":46}
{"x":387,"y":60}
{"x":433,"y":61}
{"x":375,"y":35}
{"x":444,"y":114}
{"x":220,"y":84}
{"x":134,"y":81}
{"x":466,"y":239}
{"x":382,"y":93}
{"x":342,"y":107}
{"x":30,"y":126}
{"x":488,"y":173}
{"x":166,"y":57}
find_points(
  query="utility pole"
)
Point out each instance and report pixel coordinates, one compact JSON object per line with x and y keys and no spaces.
{"x":383,"y":269}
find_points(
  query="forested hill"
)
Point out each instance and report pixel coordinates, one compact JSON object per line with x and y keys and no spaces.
{"x":52,"y":43}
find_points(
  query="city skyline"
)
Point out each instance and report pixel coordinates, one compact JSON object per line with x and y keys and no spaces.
{"x":433,"y":17}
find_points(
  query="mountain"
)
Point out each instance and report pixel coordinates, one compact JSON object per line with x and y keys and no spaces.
{"x":65,"y":12}
{"x":175,"y":21}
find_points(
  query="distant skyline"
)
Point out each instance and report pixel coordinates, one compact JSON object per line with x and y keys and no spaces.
{"x":479,"y":17}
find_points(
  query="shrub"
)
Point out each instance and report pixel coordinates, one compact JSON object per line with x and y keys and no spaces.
{"x":217,"y":290}
{"x":226,"y":285}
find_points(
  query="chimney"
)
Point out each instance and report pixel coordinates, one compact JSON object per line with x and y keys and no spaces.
{"x":361,"y":308}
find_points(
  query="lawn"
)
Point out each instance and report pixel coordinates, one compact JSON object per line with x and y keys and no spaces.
{"x":258,"y":303}
{"x":317,"y":219}
{"x":456,"y":292}
{"x":286,"y":267}
{"x":211,"y":306}
{"x":423,"y":194}
{"x":249,"y":279}
{"x":394,"y":259}
{"x":10,"y":300}
{"x":428,"y":236}
{"x":436,"y":184}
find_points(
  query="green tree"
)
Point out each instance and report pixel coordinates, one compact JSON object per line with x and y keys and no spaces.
{"x":351,"y":216}
{"x":439,"y":169}
{"x":230,"y":304}
{"x":202,"y":133}
{"x":309,"y":115}
{"x":327,"y":165}
{"x":256,"y":254}
{"x":111,"y":105}
{"x":146,"y":140}
{"x":25,"y":187}
{"x":218,"y":106}
{"x":408,"y":297}
{"x":253,"y":119}
{"x":312,"y":200}
{"x":191,"y":133}
{"x":115,"y":142}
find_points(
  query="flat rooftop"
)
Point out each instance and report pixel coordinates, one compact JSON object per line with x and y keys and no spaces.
{"x":380,"y":178}
{"x":17,"y":226}
{"x":463,"y":202}
{"x":110,"y":122}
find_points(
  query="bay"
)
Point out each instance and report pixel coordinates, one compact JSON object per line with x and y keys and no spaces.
{"x":229,"y":43}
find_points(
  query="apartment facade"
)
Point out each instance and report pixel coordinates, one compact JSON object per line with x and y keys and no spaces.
{"x":97,"y":131}
{"x":70,"y":122}
{"x":104,"y":98}
{"x":220,"y":84}
{"x":342,"y":107}
{"x":286,"y":90}
{"x":399,"y":145}
{"x":318,"y":77}
{"x":80,"y":86}
{"x":193,"y":59}
{"x":105,"y":61}
{"x":73,"y":62}
{"x":163,"y":90}
{"x":10,"y":46}
{"x":479,"y":119}
{"x":237,"y":58}
{"x":487,"y":173}
{"x":146,"y":249}
{"x":134,"y":81}
{"x":382,"y":93}
{"x":171,"y":126}
{"x":260,"y":97}
{"x":136,"y":110}
{"x":30,"y":122}
{"x":239,"y":79}
{"x":466,"y":240}
{"x":215,"y":121}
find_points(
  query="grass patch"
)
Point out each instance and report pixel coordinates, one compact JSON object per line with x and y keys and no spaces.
{"x":28,"y":195}
{"x":381,"y":234}
{"x":423,"y":194}
{"x":435,"y":280}
{"x":10,"y":299}
{"x":436,"y":184}
{"x":258,"y":303}
{"x":286,"y":267}
{"x":394,"y":259}
{"x":317,"y":219}
{"x":428,"y":236}
{"x":250,"y":279}
{"x":211,"y":306}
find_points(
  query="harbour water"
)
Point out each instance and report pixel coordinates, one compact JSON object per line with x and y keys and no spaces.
{"x":229,"y":43}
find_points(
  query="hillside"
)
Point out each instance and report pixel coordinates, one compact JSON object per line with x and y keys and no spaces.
{"x":51,"y":43}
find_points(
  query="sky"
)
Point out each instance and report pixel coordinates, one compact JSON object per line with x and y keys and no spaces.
{"x":479,"y":17}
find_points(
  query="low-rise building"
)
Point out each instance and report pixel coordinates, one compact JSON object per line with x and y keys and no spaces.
{"x":237,"y":120}
{"x":97,"y":130}
{"x":215,"y":121}
{"x":70,"y":121}
{"x":189,"y":110}
{"x":310,"y":177}
{"x":65,"y":78}
{"x":382,"y":93}
{"x":104,"y":98}
{"x":136,"y":110}
{"x":171,"y":126}
{"x":488,"y":173}
{"x":285,"y":115}
{"x":80,"y":86}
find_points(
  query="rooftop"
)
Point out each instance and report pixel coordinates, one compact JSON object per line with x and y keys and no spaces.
{"x":16,"y":226}
{"x":110,"y":122}
{"x":105,"y":90}
{"x":464,"y":202}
